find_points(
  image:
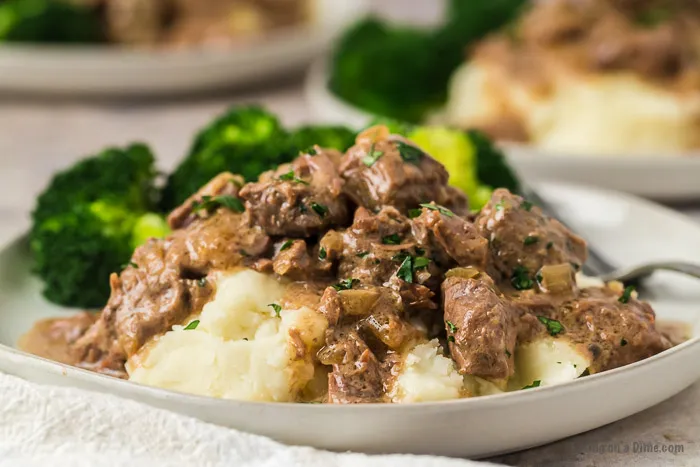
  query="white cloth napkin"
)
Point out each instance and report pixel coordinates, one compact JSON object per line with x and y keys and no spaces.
{"x":56,"y":426}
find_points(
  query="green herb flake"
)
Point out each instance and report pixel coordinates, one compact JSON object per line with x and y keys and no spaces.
{"x":413,"y":213}
{"x":500,"y":206}
{"x":420,"y":251}
{"x":420,"y":263}
{"x":319,"y":209}
{"x":531,"y":240}
{"x":192,"y":325}
{"x":409,"y":153}
{"x":550,"y":245}
{"x":442,"y":210}
{"x":245,"y":338}
{"x":345,"y":284}
{"x":520,"y":280}
{"x":276,"y":308}
{"x":626,"y":295}
{"x":451,"y":326}
{"x":312,"y":151}
{"x":202,"y":282}
{"x":322,"y":254}
{"x":362,"y":254}
{"x":508,"y":353}
{"x":392,"y":239}
{"x":623,"y":343}
{"x":210,"y":204}
{"x":243,"y":253}
{"x":535,"y":384}
{"x":290,"y":177}
{"x":405,"y":272}
{"x":450,"y":338}
{"x":130,"y":263}
{"x":286,"y":245}
{"x":526,"y":205}
{"x":372,"y":156}
{"x":553,"y":326}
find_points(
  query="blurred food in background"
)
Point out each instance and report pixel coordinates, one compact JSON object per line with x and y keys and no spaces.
{"x":569,"y":76}
{"x":147,"y":22}
{"x":589,"y":76}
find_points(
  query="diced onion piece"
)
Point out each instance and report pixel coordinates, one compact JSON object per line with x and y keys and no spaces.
{"x":373,"y":134}
{"x":464,"y":273}
{"x":557,"y":279}
{"x":358,"y":302}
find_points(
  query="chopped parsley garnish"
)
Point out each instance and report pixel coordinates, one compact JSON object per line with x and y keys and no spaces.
{"x":626,"y":295}
{"x":286,"y":245}
{"x":311,"y":151}
{"x":212,"y":203}
{"x":520,"y":279}
{"x":392,"y":239}
{"x":245,"y":338}
{"x":420,"y":251}
{"x":413,"y":213}
{"x":535,"y":384}
{"x":409,"y":153}
{"x":322,"y":254}
{"x":507,"y":353}
{"x":451,"y":326}
{"x":442,"y":210}
{"x":576,"y":266}
{"x":192,"y":325}
{"x":500,"y":206}
{"x":553,"y":326}
{"x":450,"y":338}
{"x":362,"y":254}
{"x":243,"y":253}
{"x":405,"y":272}
{"x":202,"y":282}
{"x":290,"y":177}
{"x":421,"y":262}
{"x":531,"y":240}
{"x":550,"y":245}
{"x":130,"y":263}
{"x":526,"y":205}
{"x":345,"y":284}
{"x":372,"y":156}
{"x":623,"y":343}
{"x":399,"y":257}
{"x":319,"y":209}
{"x":277,"y":309}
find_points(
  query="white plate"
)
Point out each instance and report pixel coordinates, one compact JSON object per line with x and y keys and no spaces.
{"x":628,"y":229}
{"x":113,"y":71}
{"x":663,"y":177}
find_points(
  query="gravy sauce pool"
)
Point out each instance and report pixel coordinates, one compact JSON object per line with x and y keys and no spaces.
{"x":52,"y":338}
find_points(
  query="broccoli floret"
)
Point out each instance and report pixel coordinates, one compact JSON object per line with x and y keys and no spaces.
{"x":88,"y":221}
{"x":336,"y":137}
{"x":492,"y":167}
{"x":387,"y":70}
{"x":48,"y":21}
{"x":245,"y":140}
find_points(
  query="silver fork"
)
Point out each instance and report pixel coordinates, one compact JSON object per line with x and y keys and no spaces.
{"x":600,"y":267}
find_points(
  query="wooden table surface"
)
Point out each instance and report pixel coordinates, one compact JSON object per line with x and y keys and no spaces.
{"x":39,"y":136}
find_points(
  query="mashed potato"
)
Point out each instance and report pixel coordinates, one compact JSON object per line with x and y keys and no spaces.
{"x":427,"y":375}
{"x":240,"y":349}
{"x":612,"y":113}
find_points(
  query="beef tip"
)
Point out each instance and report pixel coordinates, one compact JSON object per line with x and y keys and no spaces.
{"x":224,"y":184}
{"x":612,"y":332}
{"x":452,"y":238}
{"x":366,"y":328}
{"x":481,"y":325}
{"x":292,"y":260}
{"x":384,"y":170}
{"x":305,"y":200}
{"x":167,"y":282}
{"x":522,"y":238}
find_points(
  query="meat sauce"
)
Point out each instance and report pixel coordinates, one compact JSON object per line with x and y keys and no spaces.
{"x":376,"y":242}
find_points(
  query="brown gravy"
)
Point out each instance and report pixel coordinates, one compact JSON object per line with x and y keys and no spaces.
{"x":52,"y":338}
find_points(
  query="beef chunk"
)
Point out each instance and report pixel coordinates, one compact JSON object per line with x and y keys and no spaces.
{"x":166,"y":283}
{"x":298,"y":200}
{"x":521,"y":236}
{"x":366,"y":329}
{"x":293,"y":261}
{"x":481,"y":326}
{"x":389,"y":171}
{"x":455,"y":240}
{"x":224,"y":184}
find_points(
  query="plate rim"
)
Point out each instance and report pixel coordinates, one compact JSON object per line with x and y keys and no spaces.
{"x":8,"y":353}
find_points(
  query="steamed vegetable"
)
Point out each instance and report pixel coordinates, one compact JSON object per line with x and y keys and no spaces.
{"x":48,"y":21}
{"x":88,"y":221}
{"x":402,"y":72}
{"x":335,"y":137}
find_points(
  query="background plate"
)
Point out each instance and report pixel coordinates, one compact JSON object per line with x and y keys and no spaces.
{"x":113,"y":71}
{"x":662,"y":177}
{"x":629,"y":231}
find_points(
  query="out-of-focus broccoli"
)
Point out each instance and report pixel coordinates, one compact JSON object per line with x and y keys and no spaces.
{"x":245,"y":140}
{"x":491,"y":166}
{"x":88,"y":221}
{"x":48,"y":21}
{"x":336,"y":137}
{"x":403,"y":73}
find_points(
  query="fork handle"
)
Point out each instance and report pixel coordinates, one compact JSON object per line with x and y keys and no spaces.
{"x":689,"y":269}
